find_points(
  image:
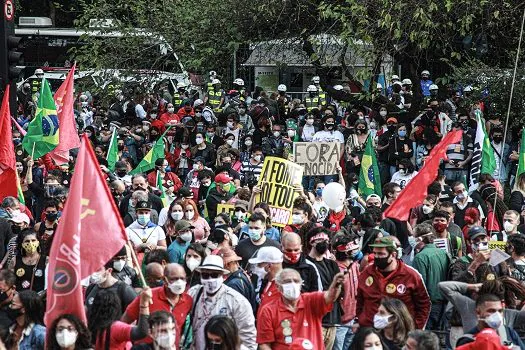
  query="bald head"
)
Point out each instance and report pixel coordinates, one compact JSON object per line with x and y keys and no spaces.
{"x":154,"y":274}
{"x":291,"y":238}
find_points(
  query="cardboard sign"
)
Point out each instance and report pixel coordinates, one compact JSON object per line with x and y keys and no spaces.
{"x":277,"y":181}
{"x":317,"y":158}
{"x":497,"y":244}
{"x":226,"y":208}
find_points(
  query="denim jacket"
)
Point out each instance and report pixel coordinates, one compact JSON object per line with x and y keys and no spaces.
{"x":33,"y":338}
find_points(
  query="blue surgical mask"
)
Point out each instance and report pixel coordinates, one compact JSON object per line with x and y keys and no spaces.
{"x":255,"y":234}
{"x":402,"y":133}
{"x":143,"y":219}
{"x":319,"y":192}
{"x":357,"y":256}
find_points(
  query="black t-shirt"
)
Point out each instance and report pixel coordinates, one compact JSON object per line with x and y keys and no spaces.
{"x":124,"y":292}
{"x":327,"y":269}
{"x":246,"y":249}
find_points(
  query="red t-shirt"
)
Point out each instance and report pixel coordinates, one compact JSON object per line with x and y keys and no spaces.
{"x":270,"y":294}
{"x":275,"y":319}
{"x":120,"y":337}
{"x":161,"y":302}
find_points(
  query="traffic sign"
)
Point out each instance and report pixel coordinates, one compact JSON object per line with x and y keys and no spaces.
{"x":9,"y":10}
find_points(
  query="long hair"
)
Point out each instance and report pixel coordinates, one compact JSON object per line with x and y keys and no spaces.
{"x":490,"y":195}
{"x":105,"y":310}
{"x":33,"y":306}
{"x":83,"y":338}
{"x":403,"y":322}
{"x":20,"y":239}
{"x":170,"y":223}
{"x":358,"y":343}
{"x":506,"y":288}
{"x":187,"y":202}
{"x":224,"y":327}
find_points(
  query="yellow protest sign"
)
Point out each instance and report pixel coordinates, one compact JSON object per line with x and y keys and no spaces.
{"x":276,"y":182}
{"x":226,"y":208}
{"x":497,"y":244}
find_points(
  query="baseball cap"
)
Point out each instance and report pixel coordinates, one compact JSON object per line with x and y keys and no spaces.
{"x":213,"y":263}
{"x":185,"y":192}
{"x":222,"y":178}
{"x":183,"y":225}
{"x":267,"y":255}
{"x":143,"y":205}
{"x":487,"y":339}
{"x":241,"y":204}
{"x":384,"y":242}
{"x":20,"y":218}
{"x":373,"y":195}
{"x":476,"y":231}
{"x":392,"y":119}
{"x":228,"y":255}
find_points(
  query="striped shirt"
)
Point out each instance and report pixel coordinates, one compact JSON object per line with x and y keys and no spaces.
{"x":248,"y":170}
{"x":458,"y":153}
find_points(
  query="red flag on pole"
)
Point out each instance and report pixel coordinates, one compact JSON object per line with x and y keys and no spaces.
{"x":68,"y":137}
{"x":89,"y":234}
{"x":416,"y":190}
{"x":7,"y":151}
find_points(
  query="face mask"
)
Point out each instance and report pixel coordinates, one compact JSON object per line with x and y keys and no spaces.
{"x":226,"y":187}
{"x":227,"y":165}
{"x":427,"y":209}
{"x":321,"y":247}
{"x":391,"y":127}
{"x":98,"y":278}
{"x":30,"y":247}
{"x":292,"y":257}
{"x":230,"y":142}
{"x":360,"y":131}
{"x":255,"y":234}
{"x":508,"y":226}
{"x":382,"y":263}
{"x":206,"y":183}
{"x":14,"y":212}
{"x":357,"y":256}
{"x":494,"y":320}
{"x":498,"y":139}
{"x":242,"y":111}
{"x":403,"y":171}
{"x":276,"y":133}
{"x":177,"y":215}
{"x":212,"y":285}
{"x":184,"y":146}
{"x":195,"y":166}
{"x":120,"y":147}
{"x":292,"y":290}
{"x":309,"y":121}
{"x":402,"y":133}
{"x":373,"y":125}
{"x":186,"y":237}
{"x":52,"y":217}
{"x":330,"y":126}
{"x":248,"y":142}
{"x":319,"y":192}
{"x":192,"y":263}
{"x":153,"y":116}
{"x":143,"y":219}
{"x":178,"y":287}
{"x":198,"y":114}
{"x":210,"y":134}
{"x":171,"y":110}
{"x":297,"y":219}
{"x":239,"y":215}
{"x":383,"y":113}
{"x":13,"y":314}
{"x":66,"y":338}
{"x":165,"y":341}
{"x":189,"y":215}
{"x":380,"y":322}
{"x":230,"y":125}
{"x":291,"y":133}
{"x":118,"y":265}
{"x":257,"y":158}
{"x":199,"y":140}
{"x":259,"y":272}
{"x":440,"y":227}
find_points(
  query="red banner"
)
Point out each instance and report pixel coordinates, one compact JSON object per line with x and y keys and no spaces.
{"x":7,"y":151}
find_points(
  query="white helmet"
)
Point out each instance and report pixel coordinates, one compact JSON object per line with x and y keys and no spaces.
{"x":213,"y":73}
{"x":39,"y":71}
{"x":181,"y":85}
{"x":338,"y":87}
{"x":311,"y":88}
{"x":239,"y":82}
{"x":397,"y":83}
{"x":316,"y":79}
{"x":281,"y":88}
{"x":406,"y":81}
{"x":425,"y":72}
{"x":395,"y":77}
{"x":468,"y":88}
{"x":379,"y":86}
{"x":215,"y":81}
{"x":433,"y":87}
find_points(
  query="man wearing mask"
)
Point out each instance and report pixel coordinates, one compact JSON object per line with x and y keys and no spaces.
{"x":139,"y":182}
{"x":123,"y":272}
{"x":192,"y":179}
{"x":213,"y":297}
{"x":245,"y":119}
{"x":251,"y":169}
{"x":237,"y":279}
{"x":18,"y":224}
{"x":516,"y":249}
{"x":183,"y":237}
{"x":511,"y":220}
{"x":211,"y":136}
{"x":219,"y":194}
{"x":489,"y":310}
{"x":462,"y":201}
{"x":248,"y":247}
{"x":162,"y":331}
{"x":293,"y":258}
{"x":463,"y":119}
{"x":46,"y":229}
{"x":273,"y":145}
{"x":266,"y":265}
{"x":170,"y":297}
{"x":327,"y":269}
{"x":385,"y":140}
{"x":143,"y":233}
{"x":121,"y":171}
{"x":425,"y":83}
{"x":295,"y":315}
{"x":180,"y":95}
{"x":390,"y":277}
{"x":440,"y":222}
{"x":501,"y":153}
{"x":117,"y":188}
{"x":7,"y":293}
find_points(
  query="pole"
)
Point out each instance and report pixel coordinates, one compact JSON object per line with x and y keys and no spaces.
{"x":136,"y":263}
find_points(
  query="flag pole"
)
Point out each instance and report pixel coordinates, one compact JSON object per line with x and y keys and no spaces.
{"x":136,"y":263}
{"x":33,"y":151}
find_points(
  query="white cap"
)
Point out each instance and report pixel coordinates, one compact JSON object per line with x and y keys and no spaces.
{"x":267,"y":255}
{"x":213,"y":73}
{"x":281,"y":87}
{"x":433,"y":87}
{"x":181,"y":85}
{"x":395,"y":77}
{"x":379,"y":86}
{"x":311,"y":88}
{"x":338,"y":87}
{"x":214,"y":263}
{"x":397,"y":83}
{"x":239,"y":82}
{"x":20,"y":218}
{"x":316,"y":79}
{"x":215,"y":81}
{"x":425,"y":72}
{"x":198,"y":102}
{"x":406,"y":81}
{"x":39,"y":71}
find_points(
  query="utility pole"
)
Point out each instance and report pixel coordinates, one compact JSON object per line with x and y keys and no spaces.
{"x":10,"y":58}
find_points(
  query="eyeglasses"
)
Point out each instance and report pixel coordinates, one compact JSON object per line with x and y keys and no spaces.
{"x":208,"y":275}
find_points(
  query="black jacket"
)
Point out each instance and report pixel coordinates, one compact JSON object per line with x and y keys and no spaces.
{"x":156,"y":204}
{"x":214,"y":199}
{"x":307,"y":272}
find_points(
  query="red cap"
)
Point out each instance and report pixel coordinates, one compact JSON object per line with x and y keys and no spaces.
{"x":486,"y":339}
{"x":222,"y":178}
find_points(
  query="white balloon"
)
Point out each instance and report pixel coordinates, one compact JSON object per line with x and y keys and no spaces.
{"x":334,"y":195}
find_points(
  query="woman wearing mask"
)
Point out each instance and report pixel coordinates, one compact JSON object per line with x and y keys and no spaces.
{"x":191,"y":213}
{"x":222,"y":334}
{"x":246,"y":148}
{"x":29,"y":264}
{"x":393,"y":321}
{"x":251,"y":168}
{"x":194,"y":257}
{"x":368,"y":339}
{"x":301,"y":213}
{"x":203,"y":149}
{"x":107,"y":332}
{"x":264,"y":127}
{"x":68,"y":333}
{"x":308,"y":130}
{"x":28,"y":331}
{"x":400,"y":148}
{"x":355,"y":146}
{"x":319,"y":206}
{"x":223,"y":150}
{"x":405,"y":173}
{"x":175,"y":213}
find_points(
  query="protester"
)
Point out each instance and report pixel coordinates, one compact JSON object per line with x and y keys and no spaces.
{"x":68,"y":332}
{"x":394,"y":322}
{"x":27,"y":312}
{"x":162,"y":331}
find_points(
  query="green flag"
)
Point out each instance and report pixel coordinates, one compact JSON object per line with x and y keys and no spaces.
{"x":521,"y":163}
{"x":159,"y":185}
{"x":148,"y":162}
{"x":369,"y":178}
{"x":42,"y":133}
{"x":488,"y":161}
{"x":112,"y":155}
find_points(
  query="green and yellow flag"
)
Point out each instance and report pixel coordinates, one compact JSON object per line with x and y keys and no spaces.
{"x":43,"y":130}
{"x":369,"y":178}
{"x":148,"y":162}
{"x":521,"y":163}
{"x":112,"y":156}
{"x":19,"y":191}
{"x":159,"y":185}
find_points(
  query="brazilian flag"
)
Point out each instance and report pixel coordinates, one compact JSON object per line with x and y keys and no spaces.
{"x":112,"y":156}
{"x":148,"y":162}
{"x":42,"y":133}
{"x":521,"y":163}
{"x":369,"y":178}
{"x":163,"y":196}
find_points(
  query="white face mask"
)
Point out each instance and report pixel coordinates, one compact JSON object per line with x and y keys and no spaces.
{"x":257,"y":158}
{"x":177,"y":215}
{"x":211,"y":285}
{"x":153,"y":116}
{"x":508,"y":226}
{"x":259,"y":272}
{"x":98,"y":278}
{"x":165,"y":341}
{"x":184,"y":146}
{"x":427,"y":209}
{"x":192,"y":263}
{"x":186,"y":237}
{"x":383,"y":113}
{"x":276,"y":133}
{"x":297,"y":219}
{"x":119,"y":265}
{"x":239,"y":215}
{"x":291,"y":133}
{"x":66,"y":338}
{"x":178,"y":287}
{"x":15,"y":212}
{"x":494,"y":320}
{"x":291,"y":291}
{"x":229,"y":124}
{"x":309,"y":121}
{"x":248,"y":143}
{"x":189,"y":215}
{"x":230,"y":142}
{"x":195,"y":166}
{"x":380,"y":322}
{"x":198,"y":140}
{"x":171,"y":110}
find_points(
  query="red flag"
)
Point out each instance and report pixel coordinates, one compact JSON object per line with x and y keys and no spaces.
{"x":89,"y":234}
{"x":7,"y":151}
{"x":68,"y":137}
{"x":416,"y":190}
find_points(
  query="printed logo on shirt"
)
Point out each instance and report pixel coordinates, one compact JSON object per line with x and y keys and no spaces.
{"x":401,"y":289}
{"x":369,"y":281}
{"x":390,"y":288}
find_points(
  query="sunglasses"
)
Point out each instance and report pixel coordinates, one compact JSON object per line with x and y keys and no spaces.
{"x":208,"y":275}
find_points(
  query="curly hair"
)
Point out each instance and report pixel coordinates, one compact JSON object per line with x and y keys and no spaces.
{"x":506,"y":288}
{"x":83,"y":338}
{"x":105,"y":310}
{"x":490,"y":196}
{"x":300,"y":203}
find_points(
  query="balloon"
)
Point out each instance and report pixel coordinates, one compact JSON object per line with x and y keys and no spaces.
{"x":334,"y":195}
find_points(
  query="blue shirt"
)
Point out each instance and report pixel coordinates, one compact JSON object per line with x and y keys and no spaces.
{"x":271,"y":233}
{"x":176,"y":251}
{"x":425,"y":87}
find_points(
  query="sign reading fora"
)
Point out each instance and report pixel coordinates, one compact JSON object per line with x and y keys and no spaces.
{"x":317,"y":158}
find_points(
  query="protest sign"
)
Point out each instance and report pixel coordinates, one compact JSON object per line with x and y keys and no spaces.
{"x":276,"y":182}
{"x":226,"y":208}
{"x":497,"y":244}
{"x":317,"y":158}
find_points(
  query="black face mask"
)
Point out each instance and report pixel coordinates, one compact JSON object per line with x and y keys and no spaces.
{"x":3,"y":297}
{"x":227,"y":165}
{"x":13,"y":314}
{"x":121,"y":173}
{"x":330,"y":126}
{"x":120,"y":147}
{"x":498,"y":139}
{"x":51,"y":216}
{"x":382,"y":263}
{"x":214,"y":347}
{"x":321,"y":247}
{"x":391,"y":127}
{"x":360,"y":131}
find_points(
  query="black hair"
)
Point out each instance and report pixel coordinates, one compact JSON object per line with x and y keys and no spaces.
{"x":161,"y":317}
{"x":20,"y":239}
{"x":51,"y":202}
{"x":227,"y":218}
{"x":300,"y":204}
{"x":158,"y":256}
{"x":205,"y":173}
{"x":217,"y":234}
{"x":434,"y":188}
{"x":105,"y":310}
{"x":486,"y":297}
{"x":375,"y":212}
{"x":389,"y":187}
{"x":257,"y":217}
{"x":366,"y":219}
{"x":33,"y":307}
{"x":224,"y":327}
{"x":441,"y":214}
{"x":358,"y":343}
{"x":407,"y":163}
{"x":517,"y":241}
{"x":490,"y":195}
{"x":83,"y":338}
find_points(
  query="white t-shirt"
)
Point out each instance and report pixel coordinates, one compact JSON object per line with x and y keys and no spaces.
{"x":402,"y":180}
{"x":138,"y":234}
{"x":328,"y":136}
{"x":321,"y":210}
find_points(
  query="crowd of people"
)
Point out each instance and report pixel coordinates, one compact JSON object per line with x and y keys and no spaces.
{"x":343,"y":277}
